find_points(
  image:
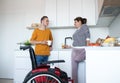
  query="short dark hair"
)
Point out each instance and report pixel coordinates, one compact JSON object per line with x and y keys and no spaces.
{"x":83,"y":20}
{"x":43,"y":18}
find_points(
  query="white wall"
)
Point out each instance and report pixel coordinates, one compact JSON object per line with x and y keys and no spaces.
{"x":15,"y":15}
{"x":115,"y":27}
{"x":98,"y":32}
{"x":60,"y":34}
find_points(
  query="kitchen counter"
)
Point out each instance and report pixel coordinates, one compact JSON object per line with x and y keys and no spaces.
{"x":89,"y":48}
{"x":102,"y":64}
{"x":86,"y":47}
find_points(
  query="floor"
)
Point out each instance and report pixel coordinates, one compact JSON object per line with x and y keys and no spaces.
{"x":2,"y":80}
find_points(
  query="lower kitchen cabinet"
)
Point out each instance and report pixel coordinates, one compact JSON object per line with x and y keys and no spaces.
{"x":54,"y":56}
{"x":65,"y":55}
{"x":20,"y":75}
{"x":23,"y":64}
{"x":103,"y":65}
{"x":82,"y":72}
{"x":67,"y":67}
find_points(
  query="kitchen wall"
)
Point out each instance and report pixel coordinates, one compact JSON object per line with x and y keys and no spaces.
{"x":59,"y":34}
{"x":15,"y":16}
{"x":115,"y":27}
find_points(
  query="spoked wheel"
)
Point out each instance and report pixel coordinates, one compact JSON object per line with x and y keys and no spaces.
{"x":43,"y":77}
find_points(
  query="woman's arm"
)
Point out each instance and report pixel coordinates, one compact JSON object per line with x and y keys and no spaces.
{"x":87,"y":34}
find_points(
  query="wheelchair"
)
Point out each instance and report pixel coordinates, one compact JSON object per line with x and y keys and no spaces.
{"x":46,"y":72}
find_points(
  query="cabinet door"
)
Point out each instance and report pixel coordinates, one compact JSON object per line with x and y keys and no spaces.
{"x":65,"y":55}
{"x":54,"y":56}
{"x":103,"y":66}
{"x":62,"y":12}
{"x":20,"y":75}
{"x":22,"y":65}
{"x":88,"y":10}
{"x":22,"y":60}
{"x":50,"y":11}
{"x":75,"y":10}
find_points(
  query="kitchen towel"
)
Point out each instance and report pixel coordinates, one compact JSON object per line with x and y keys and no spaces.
{"x":78,"y":55}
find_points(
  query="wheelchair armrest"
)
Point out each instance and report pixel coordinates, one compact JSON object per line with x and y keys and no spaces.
{"x":53,"y":61}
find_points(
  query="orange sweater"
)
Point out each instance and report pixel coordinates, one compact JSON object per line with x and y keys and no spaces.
{"x":41,"y":35}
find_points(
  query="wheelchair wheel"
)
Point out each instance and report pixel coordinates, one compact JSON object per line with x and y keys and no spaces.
{"x":43,"y":77}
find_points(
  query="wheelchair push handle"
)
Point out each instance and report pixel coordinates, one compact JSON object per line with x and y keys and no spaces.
{"x":25,"y":47}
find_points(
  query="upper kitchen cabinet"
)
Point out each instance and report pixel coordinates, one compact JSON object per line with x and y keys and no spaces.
{"x":75,"y":10}
{"x":58,"y":12}
{"x":62,"y":12}
{"x":89,"y":11}
{"x":83,"y":8}
{"x":50,"y":11}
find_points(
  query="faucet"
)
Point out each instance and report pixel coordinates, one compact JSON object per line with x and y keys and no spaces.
{"x":67,"y":38}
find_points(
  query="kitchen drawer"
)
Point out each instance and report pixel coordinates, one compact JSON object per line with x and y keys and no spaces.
{"x":22,"y":63}
{"x":22,"y":60}
{"x":19,"y":75}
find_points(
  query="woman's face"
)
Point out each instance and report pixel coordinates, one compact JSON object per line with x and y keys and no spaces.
{"x":77,"y":24}
{"x":45,"y":22}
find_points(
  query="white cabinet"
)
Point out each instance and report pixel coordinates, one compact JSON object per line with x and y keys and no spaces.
{"x":75,"y":10}
{"x":54,"y":56}
{"x":88,"y":10}
{"x":65,"y":55}
{"x":67,"y":67}
{"x":58,"y":12}
{"x":50,"y":11}
{"x":63,"y":12}
{"x":103,"y":66}
{"x":85,"y":9}
{"x":20,"y":75}
{"x":23,"y":64}
{"x":82,"y":72}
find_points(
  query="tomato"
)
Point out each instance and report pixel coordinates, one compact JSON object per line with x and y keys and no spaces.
{"x":94,"y":44}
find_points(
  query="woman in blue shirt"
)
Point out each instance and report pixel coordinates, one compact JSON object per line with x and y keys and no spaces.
{"x":82,"y":35}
